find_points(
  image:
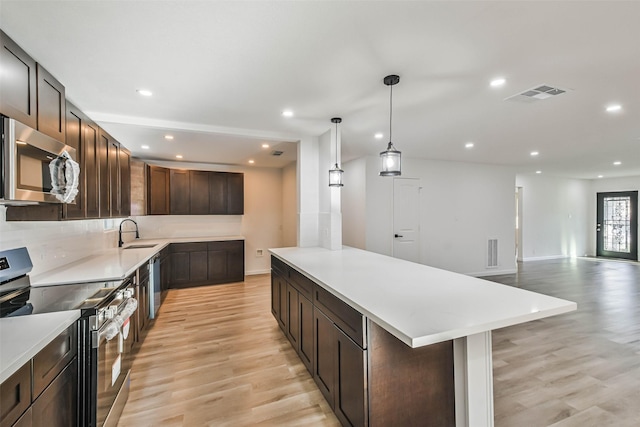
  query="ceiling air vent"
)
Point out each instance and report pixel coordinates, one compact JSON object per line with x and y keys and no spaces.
{"x":536,"y":94}
{"x":276,"y":153}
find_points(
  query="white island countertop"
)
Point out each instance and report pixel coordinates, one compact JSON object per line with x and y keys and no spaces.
{"x":116,"y":263}
{"x":23,"y":337}
{"x":418,"y":304}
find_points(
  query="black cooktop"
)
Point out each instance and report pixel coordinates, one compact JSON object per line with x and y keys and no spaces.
{"x":47,"y":299}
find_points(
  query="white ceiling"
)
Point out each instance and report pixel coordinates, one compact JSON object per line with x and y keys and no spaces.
{"x":224,"y":70}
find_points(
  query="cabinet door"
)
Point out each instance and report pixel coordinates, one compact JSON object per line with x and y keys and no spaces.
{"x":235,"y":261}
{"x":26,"y":420}
{"x":350,"y":387}
{"x":51,"y":105}
{"x":75,"y":139}
{"x":305,"y":315}
{"x":199,"y":191}
{"x":115,"y":202}
{"x":293,"y":317}
{"x":275,"y":294}
{"x":57,"y":406}
{"x":165,"y":272}
{"x":235,"y":194}
{"x":198,"y":267}
{"x":17,"y":83}
{"x":15,"y":395}
{"x":282,"y":315}
{"x":92,"y":169}
{"x":53,"y":358}
{"x":179,"y":192}
{"x":103,"y":175}
{"x":180,"y":266}
{"x":217,"y":265}
{"x":125,"y":182}
{"x":217,"y":193}
{"x":158,"y":191}
{"x":325,"y":355}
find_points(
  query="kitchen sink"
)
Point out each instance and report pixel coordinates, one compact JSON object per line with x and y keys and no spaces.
{"x":141,"y":246}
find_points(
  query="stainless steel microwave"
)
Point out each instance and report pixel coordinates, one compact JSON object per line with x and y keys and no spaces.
{"x":25,"y":156}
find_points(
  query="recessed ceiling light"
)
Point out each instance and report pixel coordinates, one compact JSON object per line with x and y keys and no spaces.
{"x":614,"y":108}
{"x":169,"y":137}
{"x":617,"y":163}
{"x":252,"y":162}
{"x":378,"y":135}
{"x":287,"y":113}
{"x":600,"y":176}
{"x":534,"y":153}
{"x":538,"y":172}
{"x":265,"y":145}
{"x":144,"y":92}
{"x":145,"y":147}
{"x":178,"y":156}
{"x":498,"y":82}
{"x":469,"y":145}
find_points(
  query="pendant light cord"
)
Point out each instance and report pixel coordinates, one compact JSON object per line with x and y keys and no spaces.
{"x":336,"y":144}
{"x":390,"y":110}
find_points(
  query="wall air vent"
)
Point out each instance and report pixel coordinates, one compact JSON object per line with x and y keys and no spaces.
{"x":537,"y":93}
{"x":492,"y":253}
{"x":276,"y":153}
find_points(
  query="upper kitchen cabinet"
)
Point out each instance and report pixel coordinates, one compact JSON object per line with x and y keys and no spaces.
{"x":193,"y":192}
{"x":76,"y":121}
{"x":51,"y":105}
{"x":158,"y":190}
{"x":116,"y":179}
{"x":30,"y":94}
{"x":226,"y":193}
{"x":179,"y":192}
{"x":17,"y":83}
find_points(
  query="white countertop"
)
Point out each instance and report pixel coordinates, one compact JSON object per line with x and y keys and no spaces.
{"x":114,"y":264}
{"x":418,"y":304}
{"x":23,"y":337}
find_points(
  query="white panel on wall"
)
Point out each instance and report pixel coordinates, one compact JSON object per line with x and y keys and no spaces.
{"x":354,"y":204}
{"x":289,"y":206}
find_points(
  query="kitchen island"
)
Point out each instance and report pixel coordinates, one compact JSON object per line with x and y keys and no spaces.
{"x":414,"y":317}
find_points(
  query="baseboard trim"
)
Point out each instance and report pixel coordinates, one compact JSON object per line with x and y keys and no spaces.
{"x":493,"y":272}
{"x":543,"y":258}
{"x":256,"y":272}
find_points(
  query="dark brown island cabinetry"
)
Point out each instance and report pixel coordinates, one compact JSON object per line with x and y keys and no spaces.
{"x":206,"y":263}
{"x":194,"y":192}
{"x":368,"y":376}
{"x":44,"y":391}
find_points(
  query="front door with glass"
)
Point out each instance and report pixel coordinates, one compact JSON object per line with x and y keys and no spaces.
{"x":617,"y":227}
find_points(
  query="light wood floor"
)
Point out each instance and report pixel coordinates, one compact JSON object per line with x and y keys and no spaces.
{"x":216,"y":357}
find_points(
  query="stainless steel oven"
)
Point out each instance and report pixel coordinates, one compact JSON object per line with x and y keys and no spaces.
{"x":25,"y":158}
{"x":112,"y":332}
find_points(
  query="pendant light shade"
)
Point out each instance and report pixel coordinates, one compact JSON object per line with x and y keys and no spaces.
{"x":335,"y":174}
{"x":390,"y":159}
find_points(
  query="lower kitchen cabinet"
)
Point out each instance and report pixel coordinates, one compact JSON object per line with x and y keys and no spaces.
{"x":368,"y":376}
{"x":165,"y":272}
{"x":44,"y":391}
{"x":206,"y":263}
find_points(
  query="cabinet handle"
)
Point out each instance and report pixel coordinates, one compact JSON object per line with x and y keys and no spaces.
{"x":398,"y":235}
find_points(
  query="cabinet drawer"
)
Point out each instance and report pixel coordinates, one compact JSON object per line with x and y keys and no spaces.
{"x":189,"y":247}
{"x":280,"y":267}
{"x":301,"y":283}
{"x":15,"y":395}
{"x":346,"y":318}
{"x":229,"y":245}
{"x":50,"y":361}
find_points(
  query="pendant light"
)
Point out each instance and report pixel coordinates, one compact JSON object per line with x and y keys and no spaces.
{"x":390,"y":158}
{"x":335,"y":174}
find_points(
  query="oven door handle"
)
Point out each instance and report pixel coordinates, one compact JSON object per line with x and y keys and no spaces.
{"x":107,"y":332}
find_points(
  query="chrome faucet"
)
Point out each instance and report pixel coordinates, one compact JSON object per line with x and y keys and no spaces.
{"x":120,"y":242}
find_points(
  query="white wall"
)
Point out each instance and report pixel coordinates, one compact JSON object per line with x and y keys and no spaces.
{"x":462,"y":205}
{"x":555,"y":216}
{"x":289,"y":206}
{"x":354,"y":203}
{"x":606,"y":185}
